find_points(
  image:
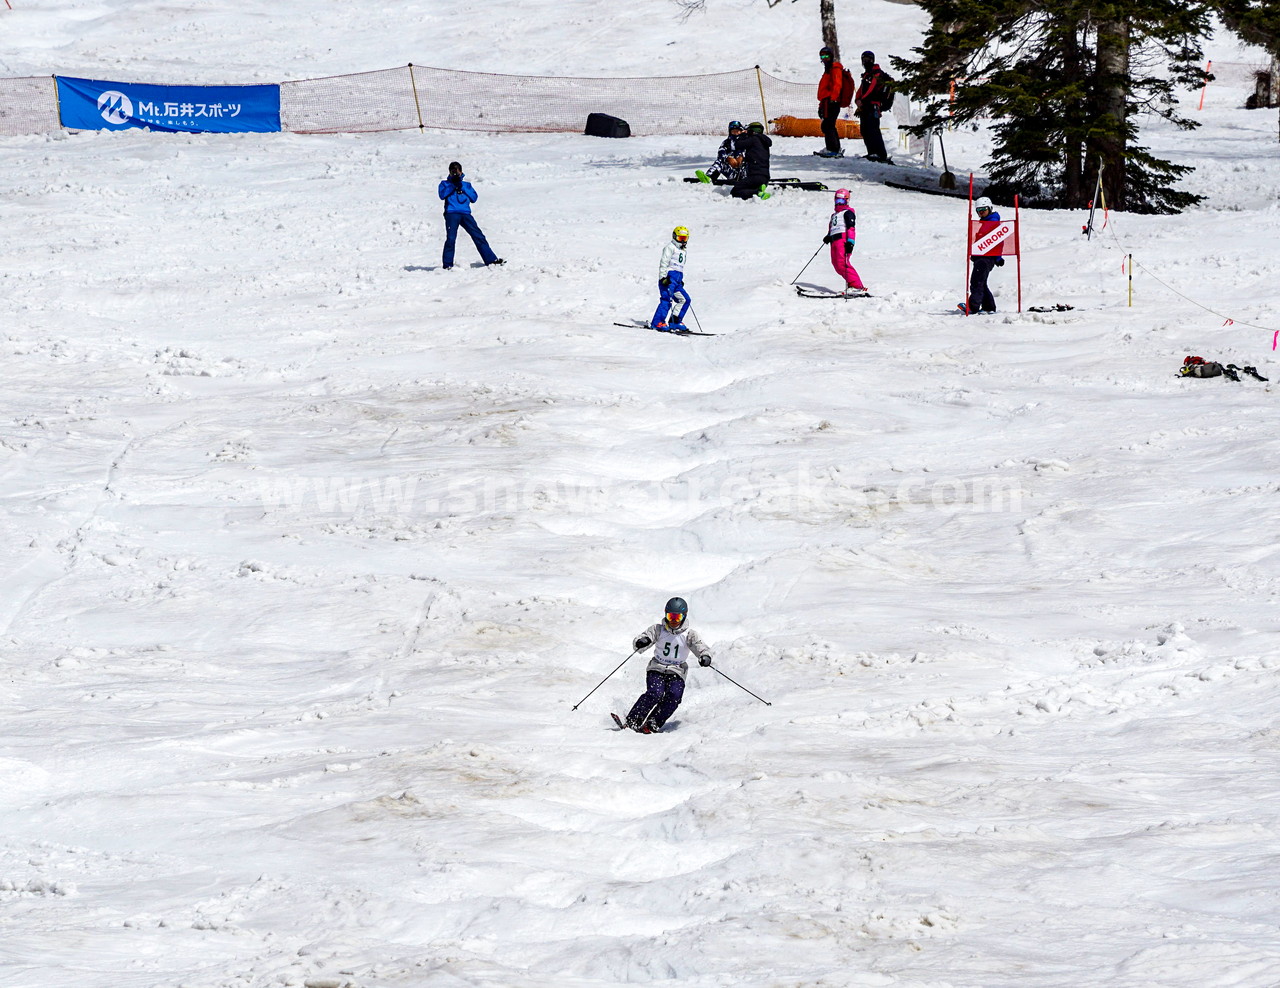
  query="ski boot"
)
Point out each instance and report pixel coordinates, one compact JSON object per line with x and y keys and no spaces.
{"x":703,"y":177}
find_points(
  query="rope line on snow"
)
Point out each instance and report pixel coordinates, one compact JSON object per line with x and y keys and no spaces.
{"x":1227,"y":320}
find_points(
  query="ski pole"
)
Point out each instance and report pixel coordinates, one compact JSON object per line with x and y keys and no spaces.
{"x":606,"y":679}
{"x":807,"y":263}
{"x":741,"y":687}
{"x":695,"y":317}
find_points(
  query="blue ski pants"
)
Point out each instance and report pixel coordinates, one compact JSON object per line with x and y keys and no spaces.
{"x":664,"y":692}
{"x":673,"y":293}
{"x":468,"y":222}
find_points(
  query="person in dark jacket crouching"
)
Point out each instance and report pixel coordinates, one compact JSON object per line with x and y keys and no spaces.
{"x":755,"y":148}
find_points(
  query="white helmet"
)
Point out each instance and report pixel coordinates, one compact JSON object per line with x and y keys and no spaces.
{"x":982,"y":202}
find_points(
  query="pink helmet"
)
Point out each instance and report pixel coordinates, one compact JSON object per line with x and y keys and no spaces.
{"x":842,"y":195}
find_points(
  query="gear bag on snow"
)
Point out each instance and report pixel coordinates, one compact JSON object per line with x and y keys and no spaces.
{"x":603,"y":125}
{"x":1199,"y":367}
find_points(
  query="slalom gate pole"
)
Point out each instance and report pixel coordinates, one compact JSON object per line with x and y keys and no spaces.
{"x":806,"y":264}
{"x":606,"y":678}
{"x":743,"y":688}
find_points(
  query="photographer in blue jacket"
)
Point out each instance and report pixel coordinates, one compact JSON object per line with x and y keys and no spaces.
{"x":458,"y":197}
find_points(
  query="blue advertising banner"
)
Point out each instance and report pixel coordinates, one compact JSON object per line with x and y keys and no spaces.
{"x":86,"y":104}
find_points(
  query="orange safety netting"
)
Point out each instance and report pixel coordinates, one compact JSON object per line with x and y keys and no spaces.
{"x":28,"y":106}
{"x":450,"y":100}
{"x":415,"y":96}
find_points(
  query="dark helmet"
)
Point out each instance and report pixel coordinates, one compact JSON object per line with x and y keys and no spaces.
{"x":825,"y":53}
{"x":868,"y":56}
{"x":755,"y":127}
{"x":677,"y":611}
{"x":735,"y":125}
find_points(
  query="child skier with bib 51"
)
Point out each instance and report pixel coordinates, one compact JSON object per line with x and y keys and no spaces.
{"x":671,"y":284}
{"x":842,"y":233}
{"x":673,"y":642}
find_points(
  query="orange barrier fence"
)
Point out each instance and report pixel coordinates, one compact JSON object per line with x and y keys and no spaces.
{"x":785,"y":126}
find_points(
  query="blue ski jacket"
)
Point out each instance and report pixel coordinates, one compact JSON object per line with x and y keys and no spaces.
{"x":457,"y":198}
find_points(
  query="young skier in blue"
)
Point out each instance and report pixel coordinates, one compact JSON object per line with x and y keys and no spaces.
{"x":671,"y":283}
{"x":673,"y":642}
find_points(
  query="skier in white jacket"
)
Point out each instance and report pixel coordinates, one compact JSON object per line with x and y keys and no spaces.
{"x":671,"y":283}
{"x":673,"y":642}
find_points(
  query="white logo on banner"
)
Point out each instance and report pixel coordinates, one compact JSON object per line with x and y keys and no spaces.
{"x":993,"y":238}
{"x":116,"y":108}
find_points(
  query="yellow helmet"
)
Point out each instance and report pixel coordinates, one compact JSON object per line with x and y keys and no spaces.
{"x":680,"y":235}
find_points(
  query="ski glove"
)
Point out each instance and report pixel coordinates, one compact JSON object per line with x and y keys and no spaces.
{"x":704,"y":660}
{"x":644,"y":641}
{"x":848,"y":247}
{"x":664,"y":282}
{"x":829,"y":239}
{"x":999,"y":262}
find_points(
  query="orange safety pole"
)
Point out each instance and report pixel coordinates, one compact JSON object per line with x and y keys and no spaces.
{"x":1208,"y":66}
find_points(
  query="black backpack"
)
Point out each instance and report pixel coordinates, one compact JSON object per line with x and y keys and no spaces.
{"x":887,"y":92}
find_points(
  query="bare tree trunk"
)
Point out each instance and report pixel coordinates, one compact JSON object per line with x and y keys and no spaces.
{"x":828,"y":11}
{"x":1113,"y":92}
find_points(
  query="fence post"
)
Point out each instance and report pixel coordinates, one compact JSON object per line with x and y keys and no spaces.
{"x":763,"y":111}
{"x":417,"y":105}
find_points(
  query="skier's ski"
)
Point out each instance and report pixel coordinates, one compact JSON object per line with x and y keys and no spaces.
{"x":622,"y":724}
{"x":795,"y":183}
{"x":781,"y":183}
{"x":926,"y":190}
{"x":852,"y":293}
{"x":665,"y":332}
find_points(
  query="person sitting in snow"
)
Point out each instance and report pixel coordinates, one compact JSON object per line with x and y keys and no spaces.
{"x":755,"y":149}
{"x":730,"y":164}
{"x":671,"y":284}
{"x":842,"y":232}
{"x":673,"y":642}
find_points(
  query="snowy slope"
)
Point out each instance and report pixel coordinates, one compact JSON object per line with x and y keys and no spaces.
{"x":311,"y":548}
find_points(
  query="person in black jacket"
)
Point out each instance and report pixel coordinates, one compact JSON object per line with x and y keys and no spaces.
{"x":756,"y":151}
{"x":871,"y":100}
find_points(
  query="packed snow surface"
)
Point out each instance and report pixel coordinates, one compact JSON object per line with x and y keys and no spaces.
{"x":311,"y":547}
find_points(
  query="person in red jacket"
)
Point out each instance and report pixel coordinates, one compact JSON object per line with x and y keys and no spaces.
{"x":870,"y":101}
{"x":980,"y":297}
{"x":829,"y":103}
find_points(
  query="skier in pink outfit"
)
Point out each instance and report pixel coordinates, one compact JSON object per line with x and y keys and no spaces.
{"x":841,"y":235}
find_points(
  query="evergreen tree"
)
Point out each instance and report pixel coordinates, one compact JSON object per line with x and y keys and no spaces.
{"x":1063,"y":82}
{"x":1257,"y":22}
